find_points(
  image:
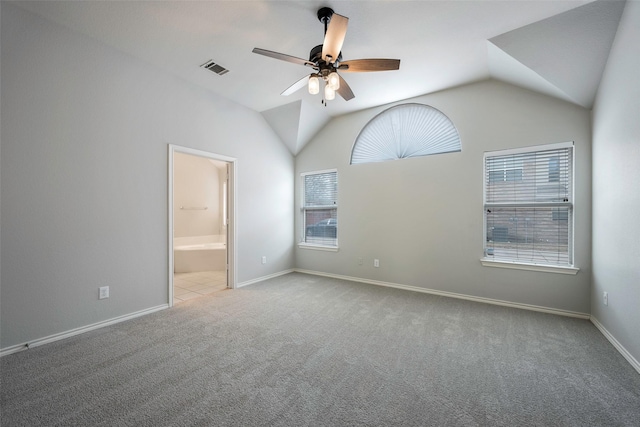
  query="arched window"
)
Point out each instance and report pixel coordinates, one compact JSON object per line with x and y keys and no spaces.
{"x":406,"y":130}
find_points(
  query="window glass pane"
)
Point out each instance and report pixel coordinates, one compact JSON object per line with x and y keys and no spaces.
{"x":542,"y":176}
{"x":321,"y":226}
{"x":533,"y":235}
{"x":320,"y":189}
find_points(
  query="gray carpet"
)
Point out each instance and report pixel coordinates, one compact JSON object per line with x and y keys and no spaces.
{"x":301,"y":350}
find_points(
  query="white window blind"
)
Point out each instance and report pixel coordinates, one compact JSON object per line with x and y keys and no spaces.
{"x":528,"y":205}
{"x":403,"y":131}
{"x":320,"y":208}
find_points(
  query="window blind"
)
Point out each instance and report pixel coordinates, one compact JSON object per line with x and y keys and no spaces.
{"x":403,"y":131}
{"x":529,"y":205}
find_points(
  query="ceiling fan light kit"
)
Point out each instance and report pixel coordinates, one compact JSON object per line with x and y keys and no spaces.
{"x":326,"y":60}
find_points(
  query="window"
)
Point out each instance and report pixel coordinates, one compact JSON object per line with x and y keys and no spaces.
{"x":403,"y":131}
{"x":320,"y":209}
{"x":528,"y":205}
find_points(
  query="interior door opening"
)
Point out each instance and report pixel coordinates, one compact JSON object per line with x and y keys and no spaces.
{"x":201,"y":233}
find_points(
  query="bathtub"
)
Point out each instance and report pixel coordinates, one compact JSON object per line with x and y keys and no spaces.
{"x":199,"y":253}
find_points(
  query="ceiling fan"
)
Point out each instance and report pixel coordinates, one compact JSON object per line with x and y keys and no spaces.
{"x":326,"y":60}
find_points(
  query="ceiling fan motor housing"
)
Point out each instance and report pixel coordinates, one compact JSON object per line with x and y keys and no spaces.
{"x":315,"y":56}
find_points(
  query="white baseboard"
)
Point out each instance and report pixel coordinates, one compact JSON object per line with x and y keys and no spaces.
{"x":632,"y":360}
{"x":568,"y":313}
{"x":81,"y":330}
{"x":263,"y":278}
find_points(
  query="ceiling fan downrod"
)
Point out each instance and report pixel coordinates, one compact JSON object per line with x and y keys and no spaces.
{"x":324,"y":16}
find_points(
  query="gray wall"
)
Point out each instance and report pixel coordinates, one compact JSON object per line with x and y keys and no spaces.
{"x":422,"y":217}
{"x":85,"y":131}
{"x":616,"y":187}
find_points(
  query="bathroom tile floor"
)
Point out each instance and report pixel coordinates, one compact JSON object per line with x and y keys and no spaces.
{"x":194,"y":285}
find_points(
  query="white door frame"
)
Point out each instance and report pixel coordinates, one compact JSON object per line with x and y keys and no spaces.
{"x":231,"y":212}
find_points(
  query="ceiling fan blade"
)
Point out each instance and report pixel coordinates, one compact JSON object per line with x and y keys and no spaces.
{"x":296,"y":86}
{"x":363,"y":65}
{"x":283,"y":57}
{"x":334,"y":37}
{"x":344,"y":90}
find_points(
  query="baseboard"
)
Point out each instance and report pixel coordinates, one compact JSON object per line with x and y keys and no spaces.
{"x":623,"y":351}
{"x":263,"y":278}
{"x":530,"y":307}
{"x":81,"y":330}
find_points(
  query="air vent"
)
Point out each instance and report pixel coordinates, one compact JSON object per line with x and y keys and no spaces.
{"x":215,"y":68}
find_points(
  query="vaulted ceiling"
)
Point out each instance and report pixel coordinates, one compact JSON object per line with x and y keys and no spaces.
{"x":558,"y":48}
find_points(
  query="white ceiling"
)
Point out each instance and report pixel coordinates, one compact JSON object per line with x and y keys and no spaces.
{"x":555,"y":47}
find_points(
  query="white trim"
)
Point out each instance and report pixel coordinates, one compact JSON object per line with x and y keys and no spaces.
{"x":263,"y":278}
{"x":304,"y":245}
{"x":623,"y":351}
{"x":170,"y":224}
{"x":531,"y":267}
{"x":530,"y":307}
{"x":80,"y":330}
{"x":232,"y":251}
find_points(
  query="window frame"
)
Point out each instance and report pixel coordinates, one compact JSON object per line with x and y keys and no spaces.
{"x":303,"y":213}
{"x":570,"y":203}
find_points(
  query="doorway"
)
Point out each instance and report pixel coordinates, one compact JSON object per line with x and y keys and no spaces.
{"x":201,"y":223}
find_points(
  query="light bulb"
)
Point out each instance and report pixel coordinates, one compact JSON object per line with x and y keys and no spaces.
{"x":334,"y":80}
{"x":329,"y":93}
{"x":314,"y":85}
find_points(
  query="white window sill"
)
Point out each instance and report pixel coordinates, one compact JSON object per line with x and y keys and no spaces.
{"x":531,"y":267}
{"x":303,"y":245}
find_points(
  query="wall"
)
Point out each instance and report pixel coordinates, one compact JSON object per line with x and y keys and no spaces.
{"x":85,"y":134}
{"x":423,"y":217}
{"x":196,"y":184}
{"x":616,"y":188}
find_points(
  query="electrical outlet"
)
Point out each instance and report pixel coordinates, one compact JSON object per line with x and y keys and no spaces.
{"x":104,"y":292}
{"x":376,"y":263}
{"x":359,"y":261}
{"x":605,"y":298}
{"x":264,"y":259}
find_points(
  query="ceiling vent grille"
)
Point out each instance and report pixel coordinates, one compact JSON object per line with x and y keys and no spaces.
{"x":215,"y":68}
